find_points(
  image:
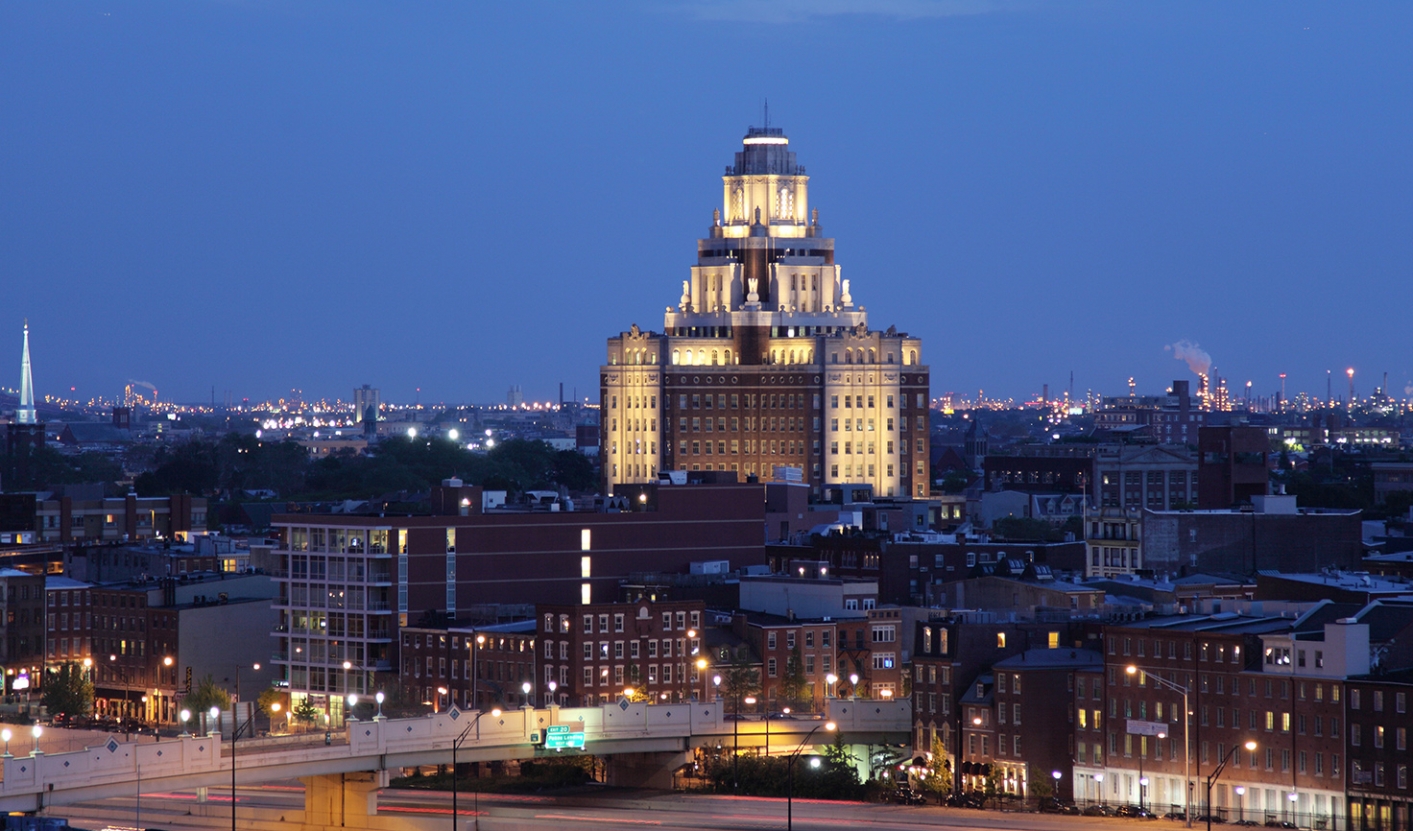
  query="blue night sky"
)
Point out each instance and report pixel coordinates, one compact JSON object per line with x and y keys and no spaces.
{"x":258,"y":196}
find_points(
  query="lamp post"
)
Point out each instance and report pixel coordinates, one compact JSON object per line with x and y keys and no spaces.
{"x":1240,"y":803}
{"x":1143,"y":780}
{"x":185,"y":716}
{"x":1250,"y":746}
{"x":1055,"y":794}
{"x":701,"y":670}
{"x":1186,"y":745}
{"x":1099,"y":781}
{"x":455,"y":746}
{"x":736,"y":744}
{"x":829,"y":681}
{"x":214,"y":713}
{"x":790,"y":774}
{"x":236,"y":727}
{"x":274,"y":711}
{"x":378,"y":697}
{"x":5,"y":736}
{"x":437,"y":702}
{"x":853,"y":685}
{"x":525,"y":689}
{"x":716,"y":687}
{"x":36,"y":731}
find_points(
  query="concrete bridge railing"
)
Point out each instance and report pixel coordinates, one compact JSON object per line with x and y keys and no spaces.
{"x":622,"y":727}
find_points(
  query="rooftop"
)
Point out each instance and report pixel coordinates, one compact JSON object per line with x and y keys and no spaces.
{"x":1052,"y":659}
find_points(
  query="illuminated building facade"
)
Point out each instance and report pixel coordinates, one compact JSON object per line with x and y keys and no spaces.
{"x":766,"y":366}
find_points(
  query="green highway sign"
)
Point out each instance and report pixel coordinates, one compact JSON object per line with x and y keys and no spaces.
{"x":558,"y":737}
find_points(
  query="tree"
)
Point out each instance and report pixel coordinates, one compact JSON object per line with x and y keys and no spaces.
{"x":269,"y":697}
{"x":305,"y":711}
{"x":206,"y":695}
{"x":938,"y":780}
{"x":793,"y":685}
{"x":739,"y":680}
{"x":68,"y":692}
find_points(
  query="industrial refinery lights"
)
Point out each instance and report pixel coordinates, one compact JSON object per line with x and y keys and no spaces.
{"x":766,"y":366}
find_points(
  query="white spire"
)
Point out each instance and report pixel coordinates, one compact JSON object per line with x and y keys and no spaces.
{"x":26,"y":414}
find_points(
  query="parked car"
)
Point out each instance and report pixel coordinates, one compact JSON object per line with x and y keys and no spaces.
{"x":1099,"y":810}
{"x":908,"y":796}
{"x":1279,"y":823}
{"x":965,"y":800}
{"x":1055,"y":806}
{"x":1178,"y":815}
{"x":1249,"y":822}
{"x":1215,"y":819}
{"x":1135,"y":812}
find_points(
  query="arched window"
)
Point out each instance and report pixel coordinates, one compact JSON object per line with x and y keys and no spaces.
{"x":888,"y":357}
{"x":652,"y":358}
{"x":912,"y":354}
{"x":701,"y":357}
{"x":848,"y":356}
{"x":809,"y":357}
{"x":873,"y":356}
{"x":676,"y":357}
{"x":728,"y":357}
{"x":714,"y":358}
{"x":792,"y":356}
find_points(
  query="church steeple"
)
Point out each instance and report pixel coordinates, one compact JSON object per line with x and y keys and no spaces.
{"x":26,"y":413}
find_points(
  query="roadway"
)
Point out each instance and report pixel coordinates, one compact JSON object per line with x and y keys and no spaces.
{"x":427,"y":810}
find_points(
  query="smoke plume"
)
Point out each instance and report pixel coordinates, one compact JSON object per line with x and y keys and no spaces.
{"x":1197,"y":360}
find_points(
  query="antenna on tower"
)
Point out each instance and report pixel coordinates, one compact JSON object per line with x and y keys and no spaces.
{"x":767,"y":113}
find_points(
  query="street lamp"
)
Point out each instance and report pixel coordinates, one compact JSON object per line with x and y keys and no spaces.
{"x":185,"y":716}
{"x":525,"y":691}
{"x":378,"y":697}
{"x":829,"y":681}
{"x":5,"y":736}
{"x":716,"y":686}
{"x":1143,"y":753}
{"x":274,"y":711}
{"x":436,"y":705}
{"x":1240,"y":803}
{"x":36,"y":731}
{"x":1186,"y":746}
{"x":1099,"y":780}
{"x":790,"y":774}
{"x":455,"y":746}
{"x":348,"y":714}
{"x":215,"y":713}
{"x":853,"y":685}
{"x":1250,"y":746}
{"x":701,"y":669}
{"x":736,"y":741}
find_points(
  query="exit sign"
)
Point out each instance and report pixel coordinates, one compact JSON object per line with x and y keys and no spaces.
{"x":558,"y":737}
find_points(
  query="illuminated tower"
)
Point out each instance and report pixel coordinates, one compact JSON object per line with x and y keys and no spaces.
{"x":765,"y":366}
{"x":26,"y":413}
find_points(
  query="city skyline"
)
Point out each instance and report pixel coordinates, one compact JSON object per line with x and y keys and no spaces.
{"x":1036,"y":191}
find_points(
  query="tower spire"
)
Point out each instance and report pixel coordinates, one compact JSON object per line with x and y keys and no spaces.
{"x":26,"y":413}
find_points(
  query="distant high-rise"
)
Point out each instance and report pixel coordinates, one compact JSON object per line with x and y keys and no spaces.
{"x":515,"y":397}
{"x":366,"y":402}
{"x":26,"y":413}
{"x":765,"y":363}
